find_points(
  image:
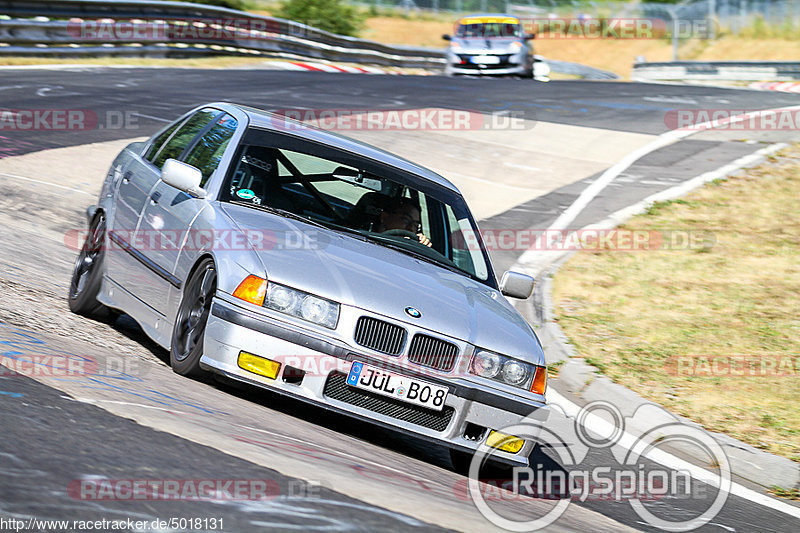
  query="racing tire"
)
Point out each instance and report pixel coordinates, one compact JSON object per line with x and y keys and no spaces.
{"x":87,"y":275}
{"x":186,"y":347}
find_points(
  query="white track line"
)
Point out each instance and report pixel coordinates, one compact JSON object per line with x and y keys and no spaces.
{"x":51,"y":184}
{"x":594,"y":422}
{"x":536,"y":261}
{"x":591,"y":192}
{"x":685,"y":187}
{"x":599,"y":426}
{"x":154,"y":118}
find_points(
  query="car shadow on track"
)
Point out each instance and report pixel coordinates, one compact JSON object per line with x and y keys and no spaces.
{"x":386,"y":438}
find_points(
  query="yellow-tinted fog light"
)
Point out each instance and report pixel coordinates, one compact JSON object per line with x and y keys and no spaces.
{"x":503,"y":442}
{"x":259,"y":365}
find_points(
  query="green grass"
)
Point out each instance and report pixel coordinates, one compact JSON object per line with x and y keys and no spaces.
{"x":735,"y":293}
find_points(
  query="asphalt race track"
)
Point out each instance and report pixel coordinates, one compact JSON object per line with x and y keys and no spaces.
{"x":135,"y":419}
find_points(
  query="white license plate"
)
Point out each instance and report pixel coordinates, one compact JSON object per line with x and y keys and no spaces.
{"x":485,"y":60}
{"x":403,"y":388}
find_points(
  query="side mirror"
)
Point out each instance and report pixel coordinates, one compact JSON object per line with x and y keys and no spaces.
{"x":529,"y":36}
{"x":446,"y":37}
{"x":183,"y":177}
{"x":516,"y":285}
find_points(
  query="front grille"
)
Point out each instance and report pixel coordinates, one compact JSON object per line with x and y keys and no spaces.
{"x":336,"y":387}
{"x":379,"y":335}
{"x":432,"y":352}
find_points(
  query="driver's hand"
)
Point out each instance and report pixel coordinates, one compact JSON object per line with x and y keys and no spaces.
{"x":424,"y":240}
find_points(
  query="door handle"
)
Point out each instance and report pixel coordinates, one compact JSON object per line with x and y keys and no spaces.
{"x":154,"y":197}
{"x":126,"y":178}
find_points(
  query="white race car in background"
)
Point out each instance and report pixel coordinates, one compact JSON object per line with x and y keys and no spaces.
{"x":493,"y":44}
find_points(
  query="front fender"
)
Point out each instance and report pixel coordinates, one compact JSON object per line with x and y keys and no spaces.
{"x":234,"y":262}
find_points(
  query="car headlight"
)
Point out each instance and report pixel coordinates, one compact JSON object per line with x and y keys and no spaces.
{"x":455,"y":44}
{"x":509,"y":370}
{"x":515,"y":47}
{"x":302,"y":305}
{"x":486,"y":364}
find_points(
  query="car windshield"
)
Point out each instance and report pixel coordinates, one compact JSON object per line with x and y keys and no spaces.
{"x":488,"y":30}
{"x":431,"y":224}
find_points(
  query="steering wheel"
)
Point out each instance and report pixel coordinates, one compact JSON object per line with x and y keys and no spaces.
{"x":402,"y":233}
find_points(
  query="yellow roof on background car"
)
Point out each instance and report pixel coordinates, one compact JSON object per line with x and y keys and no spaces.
{"x":486,"y":20}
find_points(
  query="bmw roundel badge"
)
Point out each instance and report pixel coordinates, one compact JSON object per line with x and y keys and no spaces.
{"x":413,"y":312}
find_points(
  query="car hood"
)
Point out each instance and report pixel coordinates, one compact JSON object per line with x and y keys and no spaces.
{"x":362,"y":274}
{"x":494,"y":45}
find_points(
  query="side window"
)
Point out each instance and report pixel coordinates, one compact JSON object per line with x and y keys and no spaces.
{"x":466,"y":251}
{"x":159,"y":141}
{"x":176,"y":145}
{"x":208,"y":150}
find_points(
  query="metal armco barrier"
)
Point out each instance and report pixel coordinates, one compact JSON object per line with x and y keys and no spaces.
{"x":175,"y":29}
{"x":183,"y":26}
{"x":576,"y":69}
{"x":717,"y":71}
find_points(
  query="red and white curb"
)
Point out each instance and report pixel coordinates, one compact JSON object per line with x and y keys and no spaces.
{"x":782,"y":86}
{"x":329,"y":67}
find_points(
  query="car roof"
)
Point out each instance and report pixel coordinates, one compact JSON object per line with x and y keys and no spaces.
{"x":269,"y":121}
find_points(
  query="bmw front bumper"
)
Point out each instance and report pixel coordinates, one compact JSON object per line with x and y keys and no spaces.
{"x":469,"y":413}
{"x":515,"y":70}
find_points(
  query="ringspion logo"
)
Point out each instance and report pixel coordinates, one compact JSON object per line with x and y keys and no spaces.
{"x":627,"y":474}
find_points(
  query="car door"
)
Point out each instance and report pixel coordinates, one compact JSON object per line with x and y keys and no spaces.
{"x":133,"y":268}
{"x":132,"y":191}
{"x":169,"y":213}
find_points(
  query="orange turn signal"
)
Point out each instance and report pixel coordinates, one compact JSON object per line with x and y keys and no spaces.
{"x":253,"y":289}
{"x":539,"y":380}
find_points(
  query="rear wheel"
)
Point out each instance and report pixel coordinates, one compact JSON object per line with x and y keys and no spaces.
{"x":190,"y":325}
{"x":87,"y":276}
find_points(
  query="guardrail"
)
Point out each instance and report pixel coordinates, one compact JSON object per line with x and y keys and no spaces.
{"x":183,"y":26}
{"x":577,"y":69}
{"x":731,"y":71}
{"x":147,"y":28}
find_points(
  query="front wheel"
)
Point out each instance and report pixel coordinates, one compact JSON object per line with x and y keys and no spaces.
{"x":186,"y":348}
{"x":87,"y":276}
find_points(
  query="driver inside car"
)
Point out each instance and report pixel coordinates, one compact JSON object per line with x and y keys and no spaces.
{"x":402,"y":214}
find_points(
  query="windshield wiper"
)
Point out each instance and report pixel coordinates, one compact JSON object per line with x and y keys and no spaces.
{"x":282,"y":212}
{"x":399,"y":247}
{"x":327,"y":225}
